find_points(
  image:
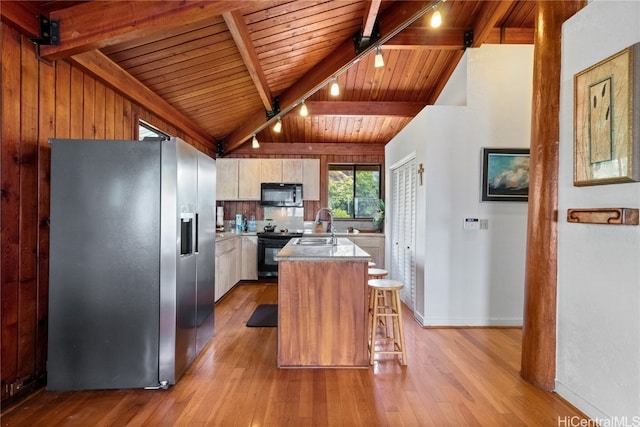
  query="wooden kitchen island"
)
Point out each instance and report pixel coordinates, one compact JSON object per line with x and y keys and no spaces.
{"x":322,"y":305}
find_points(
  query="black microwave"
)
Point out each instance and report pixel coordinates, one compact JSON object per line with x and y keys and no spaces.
{"x":281,"y":195}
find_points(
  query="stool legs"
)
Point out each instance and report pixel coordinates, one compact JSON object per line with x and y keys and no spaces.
{"x":386,"y":311}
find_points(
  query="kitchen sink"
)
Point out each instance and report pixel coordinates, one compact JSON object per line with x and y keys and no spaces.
{"x":317,"y":241}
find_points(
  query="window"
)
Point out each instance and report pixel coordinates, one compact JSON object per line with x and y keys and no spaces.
{"x":147,"y":131}
{"x":354,"y":190}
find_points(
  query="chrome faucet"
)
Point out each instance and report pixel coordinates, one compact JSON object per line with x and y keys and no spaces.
{"x":333,"y":230}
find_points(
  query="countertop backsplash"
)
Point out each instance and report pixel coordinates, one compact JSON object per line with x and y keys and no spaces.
{"x":292,"y":219}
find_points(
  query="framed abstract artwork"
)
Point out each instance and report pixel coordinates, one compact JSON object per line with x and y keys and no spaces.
{"x":505,"y":175}
{"x":607,"y":134}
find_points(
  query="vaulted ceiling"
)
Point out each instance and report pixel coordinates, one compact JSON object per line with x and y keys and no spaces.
{"x":225,"y":70}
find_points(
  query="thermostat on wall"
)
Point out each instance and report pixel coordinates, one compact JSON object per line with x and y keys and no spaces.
{"x":471,"y":224}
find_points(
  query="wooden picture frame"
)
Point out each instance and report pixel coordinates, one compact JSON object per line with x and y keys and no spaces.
{"x":505,"y":175}
{"x":607,"y":135}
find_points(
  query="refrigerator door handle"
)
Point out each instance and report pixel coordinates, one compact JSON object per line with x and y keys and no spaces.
{"x":187,"y":233}
{"x":197,"y":231}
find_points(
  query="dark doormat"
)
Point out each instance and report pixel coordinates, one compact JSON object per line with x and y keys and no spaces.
{"x":264,"y":316}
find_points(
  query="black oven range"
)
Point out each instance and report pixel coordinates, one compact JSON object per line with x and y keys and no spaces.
{"x":269,"y":244}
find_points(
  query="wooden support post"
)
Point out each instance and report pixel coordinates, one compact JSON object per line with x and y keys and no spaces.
{"x":539,"y":330}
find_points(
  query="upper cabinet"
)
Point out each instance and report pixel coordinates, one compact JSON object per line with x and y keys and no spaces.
{"x":249,"y":179}
{"x":239,"y":179}
{"x":271,"y":170}
{"x":226,"y":179}
{"x":311,"y":179}
{"x":292,"y":171}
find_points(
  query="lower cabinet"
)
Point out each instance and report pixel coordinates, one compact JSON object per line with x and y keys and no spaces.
{"x":249,"y":260}
{"x":228,"y":253}
{"x":372,"y":244}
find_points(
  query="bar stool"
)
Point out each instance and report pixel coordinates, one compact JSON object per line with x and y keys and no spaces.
{"x":391,"y":313}
{"x":377,"y":273}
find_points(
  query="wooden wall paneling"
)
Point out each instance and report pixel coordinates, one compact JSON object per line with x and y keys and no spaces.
{"x":99,"y":111}
{"x":10,"y":186}
{"x":46,"y":130}
{"x":88,"y":101}
{"x":76,"y":107}
{"x":128,"y":122}
{"x":109,"y":113}
{"x":27,"y":290}
{"x":63,"y":100}
{"x":118,"y":114}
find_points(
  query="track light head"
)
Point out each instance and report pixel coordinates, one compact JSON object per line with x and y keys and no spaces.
{"x":436,"y":19}
{"x":254,"y":142}
{"x":304,"y":112}
{"x":335,"y":89}
{"x":278,"y":126}
{"x":378,"y":59}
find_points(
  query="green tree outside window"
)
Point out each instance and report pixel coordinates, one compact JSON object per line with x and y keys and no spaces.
{"x":354,"y":190}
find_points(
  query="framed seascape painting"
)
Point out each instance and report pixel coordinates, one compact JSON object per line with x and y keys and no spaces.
{"x":606,"y":130}
{"x":505,"y":174}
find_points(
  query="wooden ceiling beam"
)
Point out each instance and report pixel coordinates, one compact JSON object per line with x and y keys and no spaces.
{"x":453,"y":38}
{"x":429,"y":38}
{"x":97,"y":24}
{"x":96,"y":63}
{"x":240,"y":33}
{"x":511,"y":36}
{"x":23,"y":16}
{"x":370,"y":16}
{"x":487,"y":19}
{"x":393,"y":20}
{"x":364,"y":108}
{"x":313,"y":149}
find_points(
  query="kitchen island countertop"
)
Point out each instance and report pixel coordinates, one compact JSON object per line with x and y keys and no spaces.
{"x":345,"y":249}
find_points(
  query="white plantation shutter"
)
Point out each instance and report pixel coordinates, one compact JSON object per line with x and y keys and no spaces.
{"x":403,"y":229}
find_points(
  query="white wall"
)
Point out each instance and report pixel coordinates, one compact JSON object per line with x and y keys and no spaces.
{"x":598,"y":347}
{"x":469,"y":277}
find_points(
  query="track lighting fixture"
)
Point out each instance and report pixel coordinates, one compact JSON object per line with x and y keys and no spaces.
{"x":335,"y":89}
{"x":278,"y":126}
{"x":436,"y":19}
{"x":304,"y":112}
{"x":254,"y":142}
{"x":379,"y":60}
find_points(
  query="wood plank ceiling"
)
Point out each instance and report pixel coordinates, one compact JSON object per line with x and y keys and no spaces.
{"x":220,"y":67}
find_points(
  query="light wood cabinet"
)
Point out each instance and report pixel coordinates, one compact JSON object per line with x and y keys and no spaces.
{"x":249,"y":175}
{"x":373,"y":245}
{"x":239,"y":179}
{"x":292,"y":171}
{"x":228,"y":268}
{"x":311,"y":179}
{"x":271,"y":170}
{"x":249,"y":260}
{"x":226,"y":179}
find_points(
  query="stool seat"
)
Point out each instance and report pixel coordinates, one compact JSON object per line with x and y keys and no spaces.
{"x":386,"y":284}
{"x":377,"y":273}
{"x":385,"y":312}
{"x":372,"y":264}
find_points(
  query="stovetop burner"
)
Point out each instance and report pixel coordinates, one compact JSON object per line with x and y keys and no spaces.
{"x":280,"y":233}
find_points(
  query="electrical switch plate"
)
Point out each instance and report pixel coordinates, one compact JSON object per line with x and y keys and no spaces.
{"x":471,"y":224}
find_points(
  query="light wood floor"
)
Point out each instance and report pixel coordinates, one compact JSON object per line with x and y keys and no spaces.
{"x":455,"y":377}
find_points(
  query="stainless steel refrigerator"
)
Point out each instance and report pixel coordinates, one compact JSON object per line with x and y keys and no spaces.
{"x":132,"y":258}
